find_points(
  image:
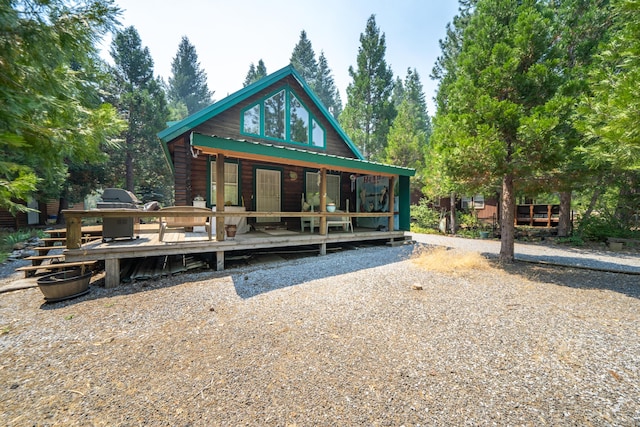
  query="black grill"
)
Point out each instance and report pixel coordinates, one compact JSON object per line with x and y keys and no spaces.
{"x":118,"y":198}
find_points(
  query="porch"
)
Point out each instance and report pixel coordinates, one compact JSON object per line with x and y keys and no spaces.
{"x":147,"y":241}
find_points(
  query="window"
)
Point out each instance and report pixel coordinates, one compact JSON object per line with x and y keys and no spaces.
{"x":251,"y":120}
{"x":230,"y":183}
{"x":475,"y":202}
{"x":299,"y":121}
{"x":274,"y":116}
{"x":317,"y":135}
{"x":284,"y":117}
{"x":312,"y":188}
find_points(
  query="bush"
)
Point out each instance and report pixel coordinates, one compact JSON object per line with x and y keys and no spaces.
{"x":425,"y":216}
{"x":599,"y":228}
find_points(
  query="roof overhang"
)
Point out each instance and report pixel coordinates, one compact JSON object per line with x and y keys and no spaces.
{"x":259,"y":151}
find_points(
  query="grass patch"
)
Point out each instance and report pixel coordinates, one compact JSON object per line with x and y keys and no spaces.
{"x":449,"y":261}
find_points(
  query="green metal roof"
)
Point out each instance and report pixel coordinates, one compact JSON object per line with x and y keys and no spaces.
{"x":176,"y":129}
{"x":287,"y":154}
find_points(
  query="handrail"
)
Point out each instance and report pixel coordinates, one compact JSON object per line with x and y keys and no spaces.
{"x":74,"y":217}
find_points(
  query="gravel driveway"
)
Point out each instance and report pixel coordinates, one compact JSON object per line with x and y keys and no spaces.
{"x":605,"y":260}
{"x":342,"y":339}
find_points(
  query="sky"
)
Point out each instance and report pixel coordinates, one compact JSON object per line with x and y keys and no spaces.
{"x":229,"y":35}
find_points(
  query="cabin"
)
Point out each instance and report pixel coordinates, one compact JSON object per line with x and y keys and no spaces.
{"x":279,"y":150}
{"x":267,"y":166}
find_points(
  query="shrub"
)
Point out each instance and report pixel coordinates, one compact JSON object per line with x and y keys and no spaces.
{"x":598,"y":228}
{"x":425,"y":216}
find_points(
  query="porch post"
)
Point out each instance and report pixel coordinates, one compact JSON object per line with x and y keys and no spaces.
{"x":392,"y":207}
{"x":404,"y":210}
{"x":323,"y":200}
{"x":219,"y":196}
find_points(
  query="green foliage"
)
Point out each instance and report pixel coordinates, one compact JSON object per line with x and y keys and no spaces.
{"x":425,"y":216}
{"x":369,"y":111}
{"x":188,"y":83}
{"x":574,"y":240}
{"x":140,"y":160}
{"x":411,"y":129}
{"x":303,"y":59}
{"x":598,"y":228}
{"x":324,"y":87}
{"x":255,"y":73}
{"x":316,"y":74}
{"x":610,"y":113}
{"x":53,"y":114}
{"x":497,"y":116}
{"x":9,"y":240}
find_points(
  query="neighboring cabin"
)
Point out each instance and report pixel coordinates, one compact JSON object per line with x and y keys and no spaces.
{"x":276,"y":141}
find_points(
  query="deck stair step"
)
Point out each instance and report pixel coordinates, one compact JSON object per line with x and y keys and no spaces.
{"x":39,"y":259}
{"x":31,"y":270}
{"x":54,"y":240}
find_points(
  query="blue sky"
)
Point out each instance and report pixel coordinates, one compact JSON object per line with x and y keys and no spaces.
{"x":229,"y":35}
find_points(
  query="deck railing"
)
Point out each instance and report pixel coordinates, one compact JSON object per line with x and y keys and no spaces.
{"x":74,"y":218}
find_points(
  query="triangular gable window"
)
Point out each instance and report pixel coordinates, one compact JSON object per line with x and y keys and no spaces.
{"x":282,"y":116}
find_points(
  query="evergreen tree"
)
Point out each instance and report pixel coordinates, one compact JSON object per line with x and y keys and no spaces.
{"x":579,"y":27}
{"x":411,"y":129}
{"x":325,"y":88}
{"x":609,"y":113}
{"x":188,"y":83}
{"x":369,"y":110}
{"x":255,"y":73}
{"x":303,"y":59}
{"x":52,"y":115}
{"x":497,"y":121}
{"x":140,"y":98}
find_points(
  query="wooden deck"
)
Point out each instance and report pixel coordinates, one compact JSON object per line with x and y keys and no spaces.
{"x":147,"y":243}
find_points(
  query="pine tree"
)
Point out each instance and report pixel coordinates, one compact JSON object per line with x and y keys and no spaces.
{"x":255,"y":73}
{"x":411,"y":129}
{"x":497,"y":120}
{"x":140,"y":98}
{"x":325,"y":87}
{"x":609,"y":112}
{"x":303,"y":59}
{"x":188,"y":83}
{"x":369,"y":110}
{"x":579,"y":27}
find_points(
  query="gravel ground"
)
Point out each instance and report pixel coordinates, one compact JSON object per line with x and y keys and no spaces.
{"x":343,"y":339}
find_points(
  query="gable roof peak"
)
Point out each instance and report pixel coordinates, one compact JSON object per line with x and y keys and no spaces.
{"x":178,"y":128}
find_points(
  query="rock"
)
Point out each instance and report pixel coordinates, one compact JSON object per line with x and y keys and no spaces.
{"x":416,"y":287}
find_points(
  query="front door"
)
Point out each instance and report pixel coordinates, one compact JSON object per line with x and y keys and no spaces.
{"x":268,"y":193}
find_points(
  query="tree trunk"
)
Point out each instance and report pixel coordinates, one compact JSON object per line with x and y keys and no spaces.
{"x":564,"y":220}
{"x":592,"y":203}
{"x":453,"y":223}
{"x":129,"y":165}
{"x":507,"y":227}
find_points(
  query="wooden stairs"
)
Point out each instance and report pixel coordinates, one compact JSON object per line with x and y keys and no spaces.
{"x":45,"y":262}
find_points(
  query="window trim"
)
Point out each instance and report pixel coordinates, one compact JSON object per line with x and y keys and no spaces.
{"x":212,"y":169}
{"x":477,"y":205}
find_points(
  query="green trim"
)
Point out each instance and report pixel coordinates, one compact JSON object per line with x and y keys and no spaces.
{"x":404,"y":198}
{"x":202,"y":116}
{"x":260,"y":125}
{"x":283,"y":154}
